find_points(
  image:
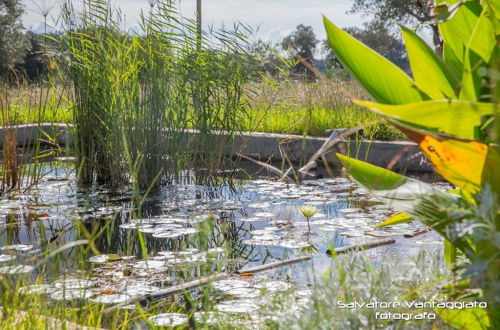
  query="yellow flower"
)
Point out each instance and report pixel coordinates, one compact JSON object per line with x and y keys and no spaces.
{"x":308,"y":211}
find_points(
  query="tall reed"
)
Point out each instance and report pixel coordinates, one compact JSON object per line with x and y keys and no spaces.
{"x":142,"y":91}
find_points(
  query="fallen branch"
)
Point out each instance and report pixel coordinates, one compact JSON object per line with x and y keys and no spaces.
{"x":417,"y":232}
{"x":217,"y":277}
{"x":332,"y":140}
{"x":273,"y":265}
{"x":269,"y":167}
{"x":363,"y":246}
{"x":169,"y":291}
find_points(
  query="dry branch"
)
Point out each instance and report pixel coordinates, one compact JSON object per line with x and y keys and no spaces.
{"x":217,"y":277}
{"x":363,"y":246}
{"x":417,"y":232}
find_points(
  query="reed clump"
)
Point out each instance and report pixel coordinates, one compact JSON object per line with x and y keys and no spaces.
{"x":137,"y":93}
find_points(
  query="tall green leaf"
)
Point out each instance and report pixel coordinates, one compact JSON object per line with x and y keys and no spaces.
{"x":382,"y":79}
{"x":478,"y":53}
{"x":429,"y":71}
{"x":452,"y":117}
{"x":456,"y":31}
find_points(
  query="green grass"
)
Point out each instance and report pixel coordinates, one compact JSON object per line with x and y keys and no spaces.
{"x":316,"y":121}
{"x":309,"y":119}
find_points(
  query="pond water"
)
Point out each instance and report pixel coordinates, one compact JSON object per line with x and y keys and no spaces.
{"x":185,"y":231}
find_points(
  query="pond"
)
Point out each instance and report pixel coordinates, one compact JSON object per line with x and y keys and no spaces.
{"x":187,"y":231}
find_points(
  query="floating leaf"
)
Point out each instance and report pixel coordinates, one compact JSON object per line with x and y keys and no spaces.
{"x":6,"y":258}
{"x":110,"y":298}
{"x":168,"y":319}
{"x":14,"y":270}
{"x":237,"y":306}
{"x":17,"y":247}
{"x":274,"y":286}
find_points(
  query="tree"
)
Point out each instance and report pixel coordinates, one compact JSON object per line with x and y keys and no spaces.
{"x":385,"y":12}
{"x":301,"y":42}
{"x":13,"y":41}
{"x":266,"y":58}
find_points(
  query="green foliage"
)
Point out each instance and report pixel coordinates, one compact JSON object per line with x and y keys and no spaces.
{"x":302,"y":40}
{"x":454,"y":130}
{"x":454,"y":117}
{"x":301,"y":44}
{"x":12,"y":39}
{"x":387,"y":12}
{"x":141,"y":92}
{"x":383,"y":80}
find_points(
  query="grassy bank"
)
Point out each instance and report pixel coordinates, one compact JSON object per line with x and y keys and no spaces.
{"x":288,"y":107}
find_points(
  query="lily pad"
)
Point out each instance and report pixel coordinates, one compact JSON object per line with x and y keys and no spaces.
{"x":17,"y":247}
{"x":244,"y":292}
{"x":294,"y":244}
{"x":209,"y":317}
{"x":110,"y":298}
{"x":168,"y":319}
{"x":72,"y":294}
{"x":37,"y":289}
{"x":274,"y":286}
{"x":6,"y":258}
{"x":14,"y":270}
{"x":227,"y":285}
{"x":139,"y":289}
{"x":75,"y":283}
{"x":264,"y":214}
{"x":237,"y":306}
{"x":150,"y":264}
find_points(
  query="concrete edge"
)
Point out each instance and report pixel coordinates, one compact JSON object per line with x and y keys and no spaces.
{"x":268,"y":146}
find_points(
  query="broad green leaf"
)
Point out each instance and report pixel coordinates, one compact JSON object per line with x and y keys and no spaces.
{"x":400,"y":192}
{"x":451,"y":117}
{"x":478,"y":53}
{"x":456,"y":32}
{"x":430,"y":73}
{"x":382,"y":79}
{"x":467,"y":318}
{"x":395,"y":220}
{"x":453,"y":63}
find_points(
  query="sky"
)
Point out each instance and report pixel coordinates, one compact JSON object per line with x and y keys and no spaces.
{"x":273,"y":18}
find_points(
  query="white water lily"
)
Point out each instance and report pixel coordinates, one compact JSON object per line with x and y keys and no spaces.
{"x":308,"y":211}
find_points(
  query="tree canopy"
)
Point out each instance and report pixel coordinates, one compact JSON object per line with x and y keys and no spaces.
{"x":13,"y":41}
{"x":303,"y":41}
{"x":386,"y":12}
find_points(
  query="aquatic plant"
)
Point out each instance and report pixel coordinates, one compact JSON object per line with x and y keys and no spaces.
{"x":139,"y":93}
{"x":450,"y":109}
{"x":308,"y":212}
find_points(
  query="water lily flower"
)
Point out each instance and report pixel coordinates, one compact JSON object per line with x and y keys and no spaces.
{"x":308,"y":212}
